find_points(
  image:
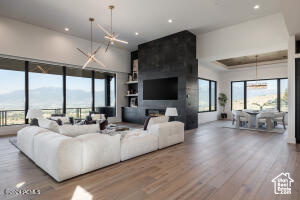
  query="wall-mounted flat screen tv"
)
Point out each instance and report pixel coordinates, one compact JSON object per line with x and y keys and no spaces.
{"x":160,"y":89}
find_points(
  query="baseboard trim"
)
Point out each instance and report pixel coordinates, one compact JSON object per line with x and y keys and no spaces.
{"x":291,"y":140}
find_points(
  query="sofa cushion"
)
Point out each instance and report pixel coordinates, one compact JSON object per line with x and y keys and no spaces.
{"x":25,"y":139}
{"x":76,"y":130}
{"x":48,"y":124}
{"x":169,"y":133}
{"x":136,"y":143}
{"x":157,"y":120}
{"x":99,"y":150}
{"x":59,"y":155}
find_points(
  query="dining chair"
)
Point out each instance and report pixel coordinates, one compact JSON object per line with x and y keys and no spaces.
{"x":266,"y":118}
{"x":243,"y":117}
{"x":280,"y":118}
{"x":234,"y":115}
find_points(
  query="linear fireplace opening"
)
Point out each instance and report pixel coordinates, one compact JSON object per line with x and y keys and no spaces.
{"x":155,"y":112}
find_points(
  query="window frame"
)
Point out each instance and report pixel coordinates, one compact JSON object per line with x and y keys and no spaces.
{"x":245,"y":91}
{"x":210,"y":92}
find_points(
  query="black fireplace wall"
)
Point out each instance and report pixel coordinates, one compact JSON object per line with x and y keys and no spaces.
{"x":172,"y":56}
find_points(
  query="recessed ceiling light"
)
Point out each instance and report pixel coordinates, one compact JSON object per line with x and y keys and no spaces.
{"x":170,"y":20}
{"x":136,"y":33}
{"x":66,"y":29}
{"x":256,"y":7}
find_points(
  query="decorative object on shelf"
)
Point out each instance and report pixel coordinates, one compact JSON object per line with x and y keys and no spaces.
{"x":171,"y":113}
{"x":34,"y":115}
{"x":129,"y":77}
{"x":223,"y":101}
{"x":111,"y":36}
{"x":135,"y":69}
{"x":133,"y":102}
{"x":134,"y":76}
{"x":257,"y":84}
{"x":91,"y":56}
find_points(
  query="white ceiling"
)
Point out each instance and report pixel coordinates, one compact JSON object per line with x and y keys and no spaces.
{"x":148,"y":17}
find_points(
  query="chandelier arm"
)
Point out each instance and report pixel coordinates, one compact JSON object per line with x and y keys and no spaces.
{"x":83,"y":52}
{"x":107,"y":46}
{"x":97,"y":61}
{"x":87,"y":62}
{"x":97,"y":50}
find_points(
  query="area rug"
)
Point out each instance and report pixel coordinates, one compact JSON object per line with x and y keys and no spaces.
{"x":279,"y":129}
{"x":13,"y":141}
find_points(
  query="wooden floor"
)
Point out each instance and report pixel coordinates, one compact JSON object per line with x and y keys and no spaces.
{"x":212,"y":163}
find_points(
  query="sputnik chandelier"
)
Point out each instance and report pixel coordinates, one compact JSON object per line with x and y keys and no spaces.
{"x":111,"y":36}
{"x":91,"y":56}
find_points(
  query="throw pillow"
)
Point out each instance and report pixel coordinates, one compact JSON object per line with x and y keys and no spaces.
{"x":147,"y":122}
{"x":103,"y":125}
{"x":76,"y":130}
{"x":157,"y":120}
{"x":48,"y":124}
{"x":34,"y":122}
{"x":58,"y":121}
{"x":64,"y":120}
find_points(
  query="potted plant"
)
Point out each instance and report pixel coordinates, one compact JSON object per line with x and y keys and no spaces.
{"x":223,"y":101}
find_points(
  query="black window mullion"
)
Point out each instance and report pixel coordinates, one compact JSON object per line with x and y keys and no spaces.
{"x":93,"y":91}
{"x":278,"y":94}
{"x":245,"y":94}
{"x":215,"y":95}
{"x":26,"y":89}
{"x":209,"y":95}
{"x":64,"y":89}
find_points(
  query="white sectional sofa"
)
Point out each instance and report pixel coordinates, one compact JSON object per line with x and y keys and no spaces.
{"x":64,"y":157}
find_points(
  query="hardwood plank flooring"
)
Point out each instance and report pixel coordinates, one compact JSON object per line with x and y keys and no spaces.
{"x":213,"y":163}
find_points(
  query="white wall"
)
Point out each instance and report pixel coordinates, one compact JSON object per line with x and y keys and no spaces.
{"x":264,"y":72}
{"x":21,"y":40}
{"x":211,"y":74}
{"x":292,"y":90}
{"x":29,"y":41}
{"x":250,"y":38}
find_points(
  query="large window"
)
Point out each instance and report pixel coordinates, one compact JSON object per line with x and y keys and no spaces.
{"x":284,"y":95}
{"x":46,"y":88}
{"x":79,"y":93}
{"x":207,"y":95}
{"x":237,"y":95}
{"x":12,"y":92}
{"x":272,"y":95}
{"x":53,"y":89}
{"x":113,"y":92}
{"x":99,"y":90}
{"x":262,"y":98}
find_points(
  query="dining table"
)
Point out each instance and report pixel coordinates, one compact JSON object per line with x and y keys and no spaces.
{"x":254,"y":113}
